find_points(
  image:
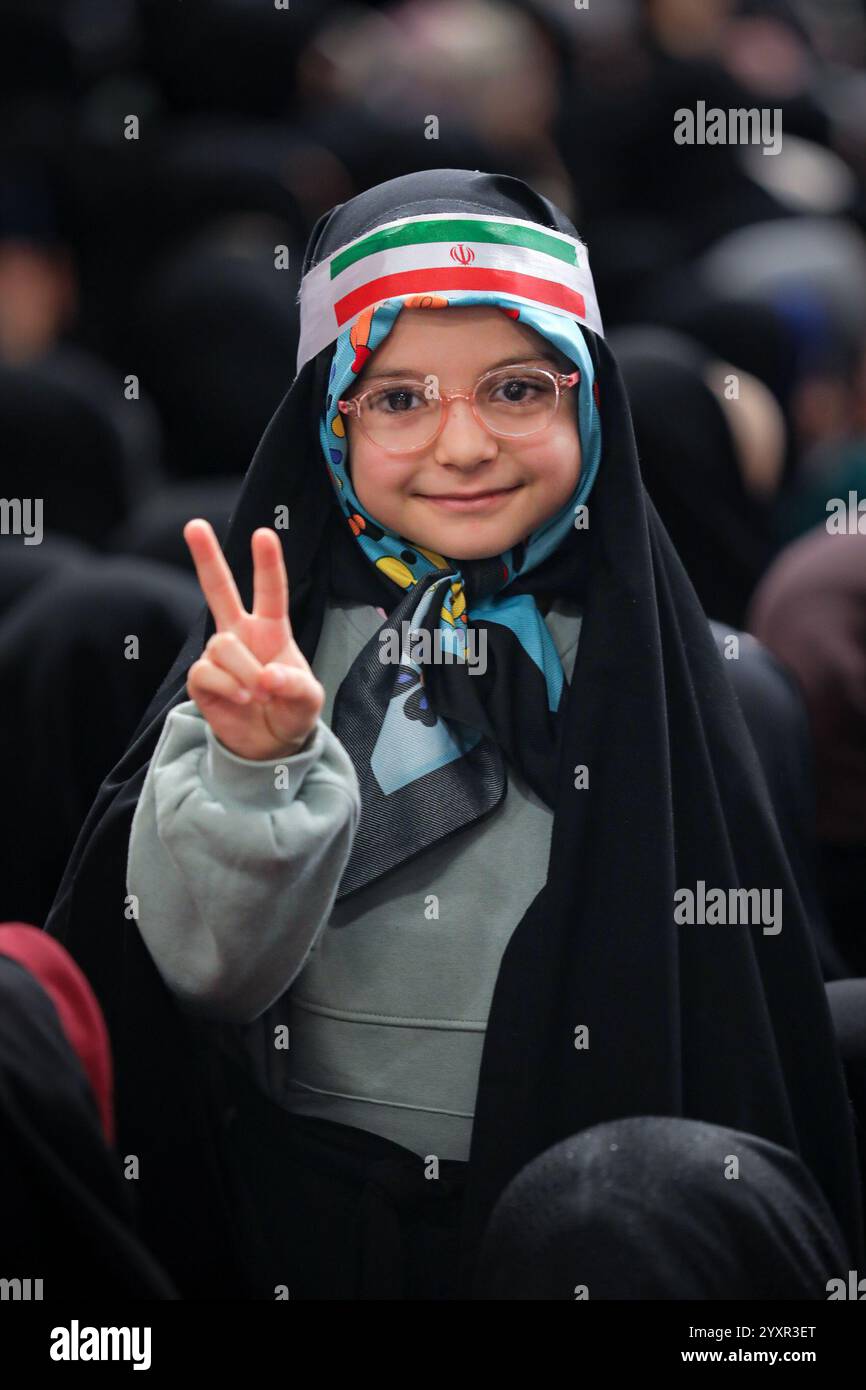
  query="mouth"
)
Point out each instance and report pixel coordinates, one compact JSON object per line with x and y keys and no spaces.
{"x":470,"y":501}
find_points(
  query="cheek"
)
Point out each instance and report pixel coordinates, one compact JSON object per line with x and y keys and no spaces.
{"x":556,"y":463}
{"x":374,"y":472}
{"x":361,"y":463}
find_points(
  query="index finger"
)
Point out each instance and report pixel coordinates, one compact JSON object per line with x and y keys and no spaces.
{"x":214,"y":575}
{"x":270,"y":581}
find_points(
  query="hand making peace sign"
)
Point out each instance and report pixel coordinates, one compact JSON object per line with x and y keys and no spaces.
{"x":252,"y":682}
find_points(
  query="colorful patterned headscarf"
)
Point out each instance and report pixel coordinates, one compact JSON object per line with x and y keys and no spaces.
{"x":399,"y":557}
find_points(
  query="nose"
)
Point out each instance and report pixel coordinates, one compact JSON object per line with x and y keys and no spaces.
{"x":463,"y":441}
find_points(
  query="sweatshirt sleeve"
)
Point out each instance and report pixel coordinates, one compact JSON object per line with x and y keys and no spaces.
{"x":235,"y":864}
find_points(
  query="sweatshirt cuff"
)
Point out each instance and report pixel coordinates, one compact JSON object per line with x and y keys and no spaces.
{"x":268,"y":784}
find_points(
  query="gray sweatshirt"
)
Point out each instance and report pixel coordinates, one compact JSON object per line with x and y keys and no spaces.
{"x":372,"y":1011}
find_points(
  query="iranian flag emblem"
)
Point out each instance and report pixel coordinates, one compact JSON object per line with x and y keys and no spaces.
{"x":445,"y":253}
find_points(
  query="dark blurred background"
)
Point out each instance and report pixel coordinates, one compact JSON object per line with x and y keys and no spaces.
{"x":148,"y":324}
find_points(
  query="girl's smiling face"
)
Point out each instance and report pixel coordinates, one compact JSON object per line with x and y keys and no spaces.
{"x":457,"y":345}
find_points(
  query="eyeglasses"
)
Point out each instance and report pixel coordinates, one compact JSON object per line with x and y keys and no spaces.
{"x":406,"y":415}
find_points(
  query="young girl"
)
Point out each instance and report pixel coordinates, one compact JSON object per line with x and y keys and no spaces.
{"x":410,"y":829}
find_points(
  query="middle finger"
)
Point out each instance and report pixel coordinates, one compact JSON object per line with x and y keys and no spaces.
{"x":270,"y":581}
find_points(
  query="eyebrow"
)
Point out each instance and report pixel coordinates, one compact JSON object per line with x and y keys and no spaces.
{"x":395,"y":372}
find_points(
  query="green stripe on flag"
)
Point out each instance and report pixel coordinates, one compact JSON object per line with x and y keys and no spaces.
{"x":414,"y":233}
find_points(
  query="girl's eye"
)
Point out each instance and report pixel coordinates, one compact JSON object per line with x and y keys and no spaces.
{"x":520,"y":391}
{"x":396,"y":400}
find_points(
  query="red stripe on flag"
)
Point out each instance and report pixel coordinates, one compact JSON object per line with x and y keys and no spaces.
{"x":460,"y":278}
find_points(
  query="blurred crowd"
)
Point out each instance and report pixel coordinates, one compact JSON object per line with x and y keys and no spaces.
{"x":161,"y":167}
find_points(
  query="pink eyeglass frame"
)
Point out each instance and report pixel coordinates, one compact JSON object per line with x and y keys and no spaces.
{"x":561,"y":380}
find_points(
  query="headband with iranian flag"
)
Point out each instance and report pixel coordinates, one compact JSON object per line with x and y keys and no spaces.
{"x":445,"y":252}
